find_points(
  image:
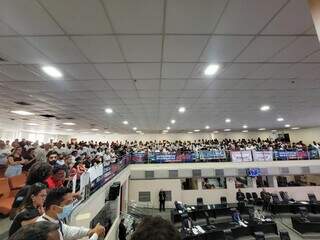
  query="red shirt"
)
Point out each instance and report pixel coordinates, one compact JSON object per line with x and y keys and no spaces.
{"x":53,"y":183}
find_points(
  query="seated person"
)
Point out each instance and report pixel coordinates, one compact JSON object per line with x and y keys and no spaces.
{"x":38,"y":231}
{"x":32,"y":207}
{"x":240,"y":196}
{"x":236,"y":217}
{"x":179,"y":206}
{"x":258,"y":214}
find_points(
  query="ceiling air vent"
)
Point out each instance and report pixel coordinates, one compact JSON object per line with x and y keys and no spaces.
{"x":47,"y":115}
{"x":23,"y":103}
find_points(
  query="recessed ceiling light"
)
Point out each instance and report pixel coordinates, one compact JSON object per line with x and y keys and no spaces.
{"x":23,"y":113}
{"x":173,"y":121}
{"x":287,"y":125}
{"x":273,"y":130}
{"x":69,"y":129}
{"x":227,"y":130}
{"x":32,"y":124}
{"x":107,"y":132}
{"x":134,"y":128}
{"x":69,"y":124}
{"x":108,"y":110}
{"x":207,"y":127}
{"x":244,"y":131}
{"x":168,"y":128}
{"x":125,"y":122}
{"x":227,"y":120}
{"x":211,"y":69}
{"x":280,"y":119}
{"x":244,"y":126}
{"x":196,"y":130}
{"x":265,"y":108}
{"x":261,"y":129}
{"x":182,"y":109}
{"x":94,"y":129}
{"x":216,"y":132}
{"x":52,"y":71}
{"x":190,"y":132}
{"x":295,"y":128}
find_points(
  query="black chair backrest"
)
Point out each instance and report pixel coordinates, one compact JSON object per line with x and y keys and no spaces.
{"x":284,"y":196}
{"x":312,"y":198}
{"x":284,"y":235}
{"x":255,"y":195}
{"x":275,"y":198}
{"x":199,"y":201}
{"x":223,"y":200}
{"x":248,"y":196}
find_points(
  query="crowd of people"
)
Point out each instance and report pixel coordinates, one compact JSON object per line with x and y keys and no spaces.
{"x":50,"y":168}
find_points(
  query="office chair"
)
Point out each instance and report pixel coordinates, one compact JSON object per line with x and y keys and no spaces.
{"x":200,"y":203}
{"x":223,"y":200}
{"x":258,"y":201}
{"x":275,"y":198}
{"x":284,"y":235}
{"x":312,"y":198}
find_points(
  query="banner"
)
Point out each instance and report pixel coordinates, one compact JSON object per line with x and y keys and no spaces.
{"x":138,"y":157}
{"x":184,"y":157}
{"x":285,"y":155}
{"x":207,"y":155}
{"x":165,"y":158}
{"x":241,"y":156}
{"x":261,"y":156}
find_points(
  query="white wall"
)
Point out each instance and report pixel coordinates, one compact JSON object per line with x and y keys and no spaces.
{"x":208,"y":195}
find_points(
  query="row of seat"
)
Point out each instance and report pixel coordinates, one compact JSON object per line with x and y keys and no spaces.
{"x":8,"y":189}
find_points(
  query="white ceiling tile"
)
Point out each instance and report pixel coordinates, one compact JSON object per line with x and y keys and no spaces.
{"x":93,"y":85}
{"x":247,"y":16}
{"x":263,"y":48}
{"x":299,"y":49}
{"x":145,"y":70}
{"x":147,"y":84}
{"x":191,"y":93}
{"x":237,"y":70}
{"x":59,"y":49}
{"x":198,"y":84}
{"x":113,"y":70}
{"x":183,"y":48}
{"x":190,"y":17}
{"x":27,"y":17}
{"x":223,"y":84}
{"x":141,"y":48}
{"x":152,"y":100}
{"x":122,"y":84}
{"x":6,"y":30}
{"x":224,"y":48}
{"x":79,"y":16}
{"x":127,"y":94}
{"x":286,"y":21}
{"x":19,"y":50}
{"x":268,"y":70}
{"x":173,"y":84}
{"x":170,"y":93}
{"x":140,"y":16}
{"x":177,"y":70}
{"x":99,"y":48}
{"x":80,"y":71}
{"x":148,"y":93}
{"x":169,"y":100}
{"x":300,"y":70}
{"x":19,"y":73}
{"x":314,"y":57}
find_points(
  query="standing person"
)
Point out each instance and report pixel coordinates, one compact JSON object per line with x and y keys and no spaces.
{"x":122,"y":230}
{"x":162,"y":200}
{"x":266,"y":198}
{"x":15,"y":163}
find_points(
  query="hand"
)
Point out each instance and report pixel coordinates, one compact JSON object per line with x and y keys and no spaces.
{"x":41,"y":210}
{"x":77,"y":195}
{"x":99,"y":230}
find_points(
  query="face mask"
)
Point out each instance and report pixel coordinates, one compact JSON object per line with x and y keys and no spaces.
{"x":65,"y":212}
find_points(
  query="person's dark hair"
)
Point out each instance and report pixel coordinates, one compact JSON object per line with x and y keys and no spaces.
{"x":33,"y":190}
{"x":155,"y":228}
{"x":36,"y":231}
{"x":50,"y":153}
{"x":55,"y":196}
{"x":58,"y":167}
{"x":39,"y":172}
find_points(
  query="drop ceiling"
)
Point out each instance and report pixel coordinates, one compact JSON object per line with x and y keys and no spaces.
{"x":145,"y":59}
